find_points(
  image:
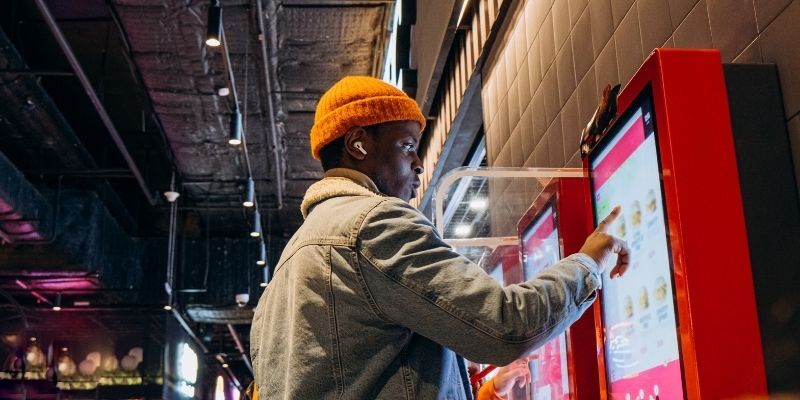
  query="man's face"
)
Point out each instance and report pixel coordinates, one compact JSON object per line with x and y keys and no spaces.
{"x":393,"y":163}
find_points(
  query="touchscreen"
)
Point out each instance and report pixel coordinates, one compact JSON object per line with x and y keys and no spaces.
{"x":540,"y":243}
{"x":641,"y":343}
{"x":540,"y":249}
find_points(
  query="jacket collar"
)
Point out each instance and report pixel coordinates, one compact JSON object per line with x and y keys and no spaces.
{"x":336,"y":183}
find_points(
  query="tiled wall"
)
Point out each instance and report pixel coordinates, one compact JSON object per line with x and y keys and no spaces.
{"x":544,"y":75}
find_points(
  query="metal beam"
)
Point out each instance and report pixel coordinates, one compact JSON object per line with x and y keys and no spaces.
{"x":182,"y":322}
{"x":98,"y":105}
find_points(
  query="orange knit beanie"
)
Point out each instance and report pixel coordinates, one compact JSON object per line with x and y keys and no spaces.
{"x":359,"y":101}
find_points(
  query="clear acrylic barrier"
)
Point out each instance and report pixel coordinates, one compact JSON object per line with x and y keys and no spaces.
{"x":476,"y":209}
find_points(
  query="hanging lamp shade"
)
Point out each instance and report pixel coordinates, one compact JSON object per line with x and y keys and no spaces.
{"x":262,"y":254}
{"x":265,"y":276}
{"x":214,"y":32}
{"x":235,"y":137}
{"x":256,"y":231}
{"x":250,"y":193}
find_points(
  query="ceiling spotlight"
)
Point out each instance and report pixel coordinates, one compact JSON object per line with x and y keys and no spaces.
{"x":236,"y":128}
{"x":250,"y":193}
{"x":223,"y":91}
{"x":57,"y":305}
{"x":256,"y":232}
{"x":224,"y":365}
{"x":477,"y":204}
{"x":262,"y":254}
{"x":168,"y":307}
{"x":463,"y":230}
{"x":214,"y":33}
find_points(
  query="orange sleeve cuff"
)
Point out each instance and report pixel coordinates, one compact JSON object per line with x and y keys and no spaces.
{"x":487,"y":392}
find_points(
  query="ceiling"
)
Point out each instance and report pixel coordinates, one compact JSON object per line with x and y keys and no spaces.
{"x":157,"y":80}
{"x":307,"y":46}
{"x":97,"y":169}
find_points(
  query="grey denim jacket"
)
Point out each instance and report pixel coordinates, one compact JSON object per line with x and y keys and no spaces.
{"x":367,"y":301}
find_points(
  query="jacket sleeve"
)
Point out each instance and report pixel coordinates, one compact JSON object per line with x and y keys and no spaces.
{"x":412,"y":278}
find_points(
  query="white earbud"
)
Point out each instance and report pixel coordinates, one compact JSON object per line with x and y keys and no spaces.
{"x":360,"y":147}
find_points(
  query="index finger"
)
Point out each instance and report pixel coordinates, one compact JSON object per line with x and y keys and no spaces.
{"x":608,"y":220}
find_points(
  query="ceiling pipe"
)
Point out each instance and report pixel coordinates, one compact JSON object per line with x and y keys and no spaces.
{"x":239,"y":346}
{"x":226,"y":61}
{"x":98,"y":105}
{"x":171,"y":236}
{"x":273,"y":133}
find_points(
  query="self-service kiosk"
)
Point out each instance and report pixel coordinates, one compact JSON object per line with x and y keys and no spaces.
{"x":682,"y":323}
{"x":710,"y":212}
{"x":552,"y":228}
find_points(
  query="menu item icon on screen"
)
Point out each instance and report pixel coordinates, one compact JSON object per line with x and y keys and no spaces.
{"x":644,"y":300}
{"x":661,"y":289}
{"x":636,"y":214}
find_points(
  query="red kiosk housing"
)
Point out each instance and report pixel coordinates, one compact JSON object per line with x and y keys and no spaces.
{"x":682,"y":323}
{"x":502,"y":265}
{"x":553,"y":227}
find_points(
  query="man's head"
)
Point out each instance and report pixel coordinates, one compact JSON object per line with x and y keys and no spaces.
{"x":366,"y":124}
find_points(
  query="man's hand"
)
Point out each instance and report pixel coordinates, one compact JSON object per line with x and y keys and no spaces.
{"x":601,"y":246}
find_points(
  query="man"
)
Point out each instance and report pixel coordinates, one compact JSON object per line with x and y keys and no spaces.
{"x":367,"y":301}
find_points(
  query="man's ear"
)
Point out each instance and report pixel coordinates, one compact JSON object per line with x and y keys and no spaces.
{"x":353,"y":135}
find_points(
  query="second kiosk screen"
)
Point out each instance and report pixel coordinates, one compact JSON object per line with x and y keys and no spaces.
{"x":540,"y":249}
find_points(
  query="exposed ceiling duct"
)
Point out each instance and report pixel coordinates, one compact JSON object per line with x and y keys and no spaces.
{"x":75,"y":236}
{"x":24,"y":214}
